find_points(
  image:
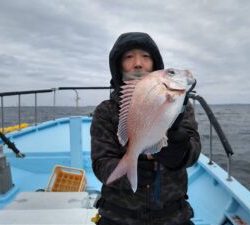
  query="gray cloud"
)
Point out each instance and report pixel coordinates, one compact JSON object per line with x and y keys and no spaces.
{"x":46,"y":44}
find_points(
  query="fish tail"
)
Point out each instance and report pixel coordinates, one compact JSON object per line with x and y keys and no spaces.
{"x":127,"y":165}
{"x":119,"y":171}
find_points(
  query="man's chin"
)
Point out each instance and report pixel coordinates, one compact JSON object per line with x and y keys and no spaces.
{"x":133,"y":75}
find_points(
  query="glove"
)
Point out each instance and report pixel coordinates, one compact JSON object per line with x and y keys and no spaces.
{"x":174,"y":155}
{"x":146,"y":171}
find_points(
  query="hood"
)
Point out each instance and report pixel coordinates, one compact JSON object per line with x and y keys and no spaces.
{"x":126,"y":42}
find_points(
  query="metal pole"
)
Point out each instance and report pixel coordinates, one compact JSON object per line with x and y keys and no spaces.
{"x":35,"y":108}
{"x":2,"y":120}
{"x":54,"y":103}
{"x":77,"y":98}
{"x":229,"y":163}
{"x":19,"y":112}
{"x":211,"y":145}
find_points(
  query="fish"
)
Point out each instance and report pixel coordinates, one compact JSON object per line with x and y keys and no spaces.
{"x":148,"y":108}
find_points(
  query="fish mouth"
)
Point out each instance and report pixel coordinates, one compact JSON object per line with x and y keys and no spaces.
{"x":173,"y":89}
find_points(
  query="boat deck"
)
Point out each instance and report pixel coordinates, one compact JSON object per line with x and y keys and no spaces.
{"x":48,"y":145}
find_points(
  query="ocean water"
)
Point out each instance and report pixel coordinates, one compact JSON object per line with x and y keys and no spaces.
{"x":234,"y":120}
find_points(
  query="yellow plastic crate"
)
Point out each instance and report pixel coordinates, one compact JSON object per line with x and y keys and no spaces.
{"x":67,"y":179}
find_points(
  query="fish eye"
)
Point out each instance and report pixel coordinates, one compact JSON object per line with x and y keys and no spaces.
{"x":171,"y":72}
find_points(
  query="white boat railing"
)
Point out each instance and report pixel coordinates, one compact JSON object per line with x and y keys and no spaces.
{"x":19,"y":94}
{"x":35,"y":92}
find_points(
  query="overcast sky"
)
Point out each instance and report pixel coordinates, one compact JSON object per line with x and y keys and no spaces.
{"x":53,"y":43}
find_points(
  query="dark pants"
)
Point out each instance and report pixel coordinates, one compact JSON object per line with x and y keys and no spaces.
{"x":105,"y":221}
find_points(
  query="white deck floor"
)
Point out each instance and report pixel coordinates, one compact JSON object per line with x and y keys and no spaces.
{"x":50,"y":208}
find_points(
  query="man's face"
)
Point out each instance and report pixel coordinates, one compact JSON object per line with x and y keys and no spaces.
{"x":136,"y":63}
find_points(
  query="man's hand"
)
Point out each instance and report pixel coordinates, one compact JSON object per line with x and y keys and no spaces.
{"x":173,"y":156}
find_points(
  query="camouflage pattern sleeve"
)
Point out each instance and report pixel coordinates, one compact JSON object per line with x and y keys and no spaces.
{"x":106,"y":150}
{"x":190,"y":125}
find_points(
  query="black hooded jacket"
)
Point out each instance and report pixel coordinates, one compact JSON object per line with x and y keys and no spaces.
{"x":106,"y":150}
{"x":125,"y":43}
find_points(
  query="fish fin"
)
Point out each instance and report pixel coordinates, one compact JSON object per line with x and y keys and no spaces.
{"x":119,"y":171}
{"x":127,"y":93}
{"x":157,"y":147}
{"x":125,"y":166}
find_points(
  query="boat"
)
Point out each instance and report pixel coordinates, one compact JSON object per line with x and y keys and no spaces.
{"x":41,"y":150}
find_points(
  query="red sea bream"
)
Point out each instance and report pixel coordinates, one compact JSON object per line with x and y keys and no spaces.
{"x":148,"y":108}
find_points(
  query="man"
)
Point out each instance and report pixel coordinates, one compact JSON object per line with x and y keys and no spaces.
{"x":161,"y":197}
